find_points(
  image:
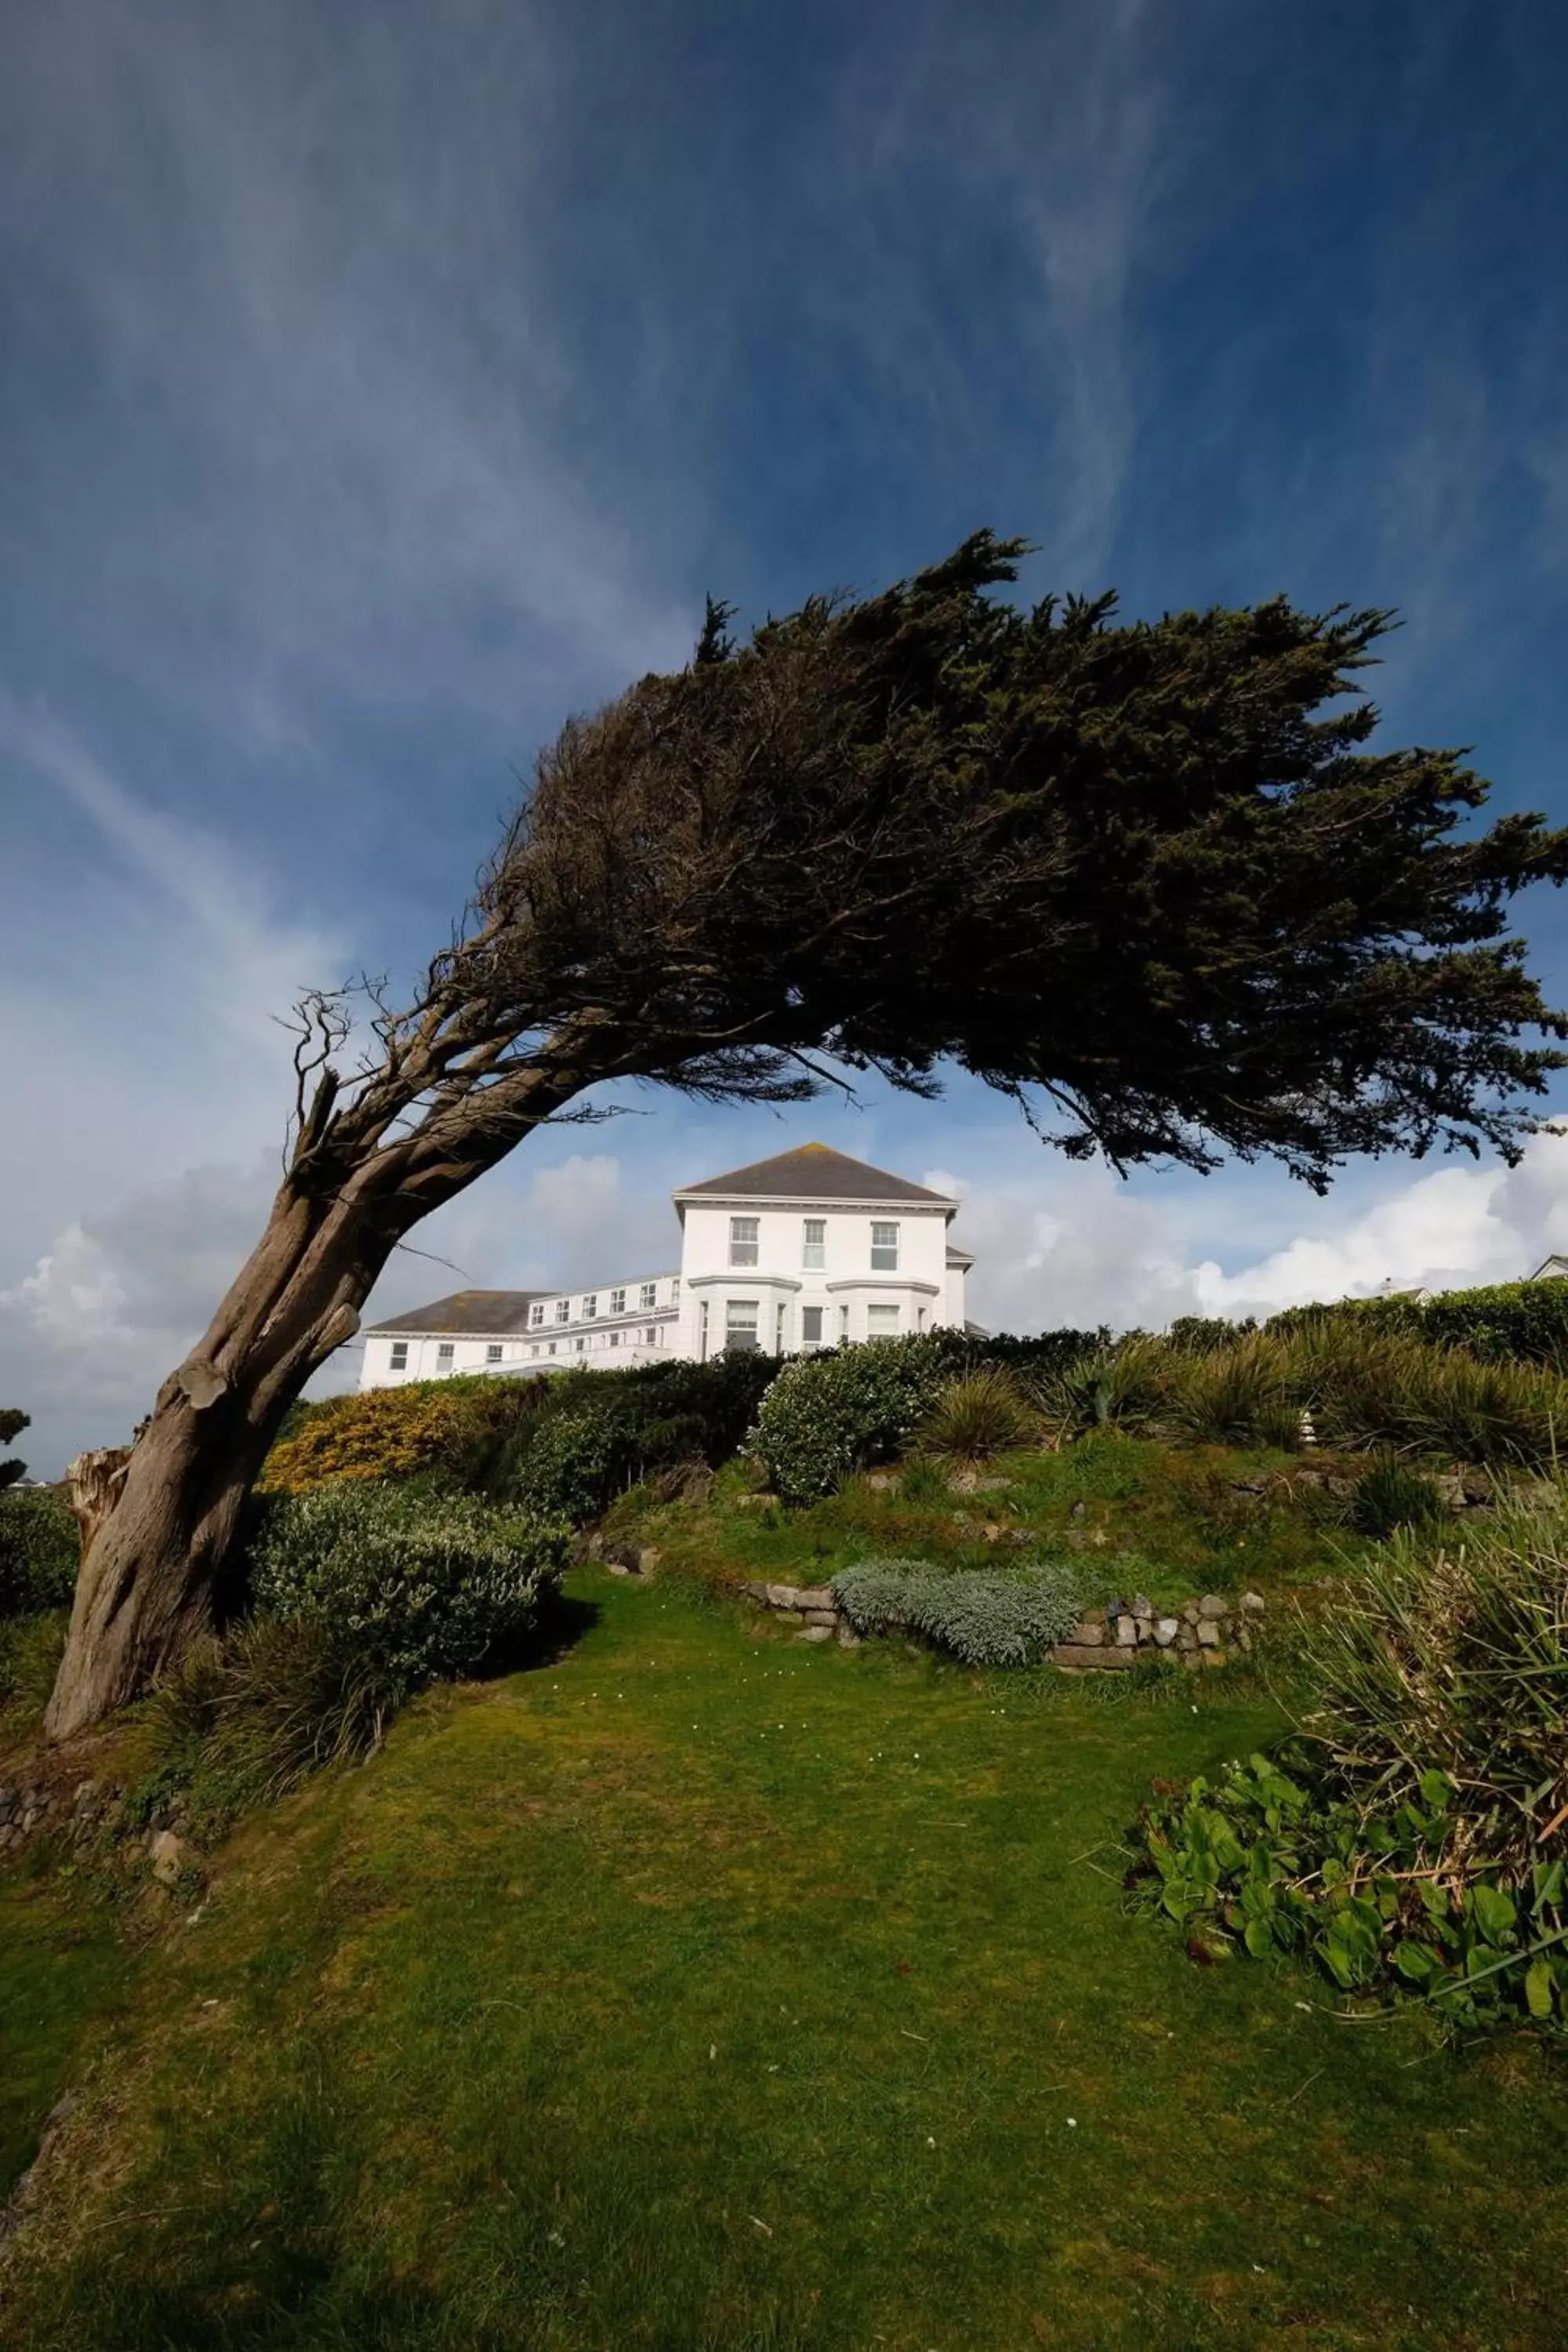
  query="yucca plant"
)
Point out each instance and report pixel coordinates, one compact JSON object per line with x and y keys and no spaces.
{"x":983,"y":1414}
{"x":1128,"y":1387}
{"x":1391,"y":1494}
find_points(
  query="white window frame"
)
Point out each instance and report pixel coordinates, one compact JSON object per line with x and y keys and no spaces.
{"x":884,"y":1252}
{"x":650,"y":1336}
{"x":590,"y":1306}
{"x":494,"y":1351}
{"x":814,"y":1244}
{"x":843,"y":1320}
{"x":808,"y":1337}
{"x":398,"y":1361}
{"x":648,"y":1297}
{"x":536,"y":1314}
{"x":883,"y":1317}
{"x":446,"y":1355}
{"x":618,"y":1302}
{"x":563,"y":1310}
{"x":754,"y":1329}
{"x":745,"y":1241}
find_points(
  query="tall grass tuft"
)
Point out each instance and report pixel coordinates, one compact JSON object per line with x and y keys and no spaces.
{"x":1457,"y":1662}
{"x":1235,"y":1395}
{"x":1126,"y":1387}
{"x":985,"y":1413}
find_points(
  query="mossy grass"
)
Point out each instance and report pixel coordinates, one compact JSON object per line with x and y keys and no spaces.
{"x":701,"y":1991}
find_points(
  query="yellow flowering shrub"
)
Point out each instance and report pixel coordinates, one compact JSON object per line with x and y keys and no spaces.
{"x":394,"y":1433}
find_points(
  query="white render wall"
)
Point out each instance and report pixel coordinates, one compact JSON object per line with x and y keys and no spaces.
{"x":844,"y":1288}
{"x":583,"y":1327}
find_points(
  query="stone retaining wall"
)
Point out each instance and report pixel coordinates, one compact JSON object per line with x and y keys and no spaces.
{"x":1200,"y":1634}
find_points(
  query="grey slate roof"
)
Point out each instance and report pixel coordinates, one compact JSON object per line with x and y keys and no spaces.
{"x":481,"y":1312}
{"x":812,"y":1171}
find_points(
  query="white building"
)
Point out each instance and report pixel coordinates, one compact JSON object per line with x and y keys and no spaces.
{"x":807,"y":1250}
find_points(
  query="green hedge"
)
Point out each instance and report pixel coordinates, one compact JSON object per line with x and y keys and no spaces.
{"x":1504,"y":1322}
{"x":39,"y":1551}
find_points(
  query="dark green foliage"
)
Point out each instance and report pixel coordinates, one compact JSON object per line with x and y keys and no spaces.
{"x":410,"y":1586}
{"x":1202,"y":1334}
{"x":12,"y":1424}
{"x":591,"y":1434}
{"x":30,"y":1651}
{"x":1272,"y":1859}
{"x":985,"y":1617}
{"x":1196,"y":911}
{"x":827,"y":1415}
{"x":1391,"y":1496}
{"x":1505,"y":1322}
{"x":39,"y":1551}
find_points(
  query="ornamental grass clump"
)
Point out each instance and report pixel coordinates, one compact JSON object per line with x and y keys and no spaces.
{"x":981,"y":1414}
{"x":1236,"y":1394}
{"x":985,"y":1617}
{"x":1414,"y":1835}
{"x":1126,"y":1386}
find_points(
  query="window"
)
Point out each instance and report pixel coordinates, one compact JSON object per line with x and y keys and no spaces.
{"x":651,"y":1335}
{"x":814,"y":1244}
{"x":843,"y":1324}
{"x":493,"y":1353}
{"x":674,"y":1290}
{"x":881,"y":1322}
{"x":618,"y":1302}
{"x":702,"y":1332}
{"x":920,"y":1319}
{"x":580,"y":1345}
{"x":811,"y":1327}
{"x":400,"y":1355}
{"x":553,"y":1347}
{"x":743,"y":1232}
{"x":615,"y":1338}
{"x":741,"y":1325}
{"x":884,"y":1249}
{"x":591,"y":1306}
{"x":563,"y":1310}
{"x":648,"y":1297}
{"x":534,"y":1351}
{"x":444,"y":1356}
{"x":536,"y":1317}
{"x":779,"y":1334}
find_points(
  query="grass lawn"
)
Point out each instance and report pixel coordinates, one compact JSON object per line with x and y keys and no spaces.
{"x":706,"y":1991}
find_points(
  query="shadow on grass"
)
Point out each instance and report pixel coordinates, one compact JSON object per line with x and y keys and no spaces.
{"x":553,"y":1637}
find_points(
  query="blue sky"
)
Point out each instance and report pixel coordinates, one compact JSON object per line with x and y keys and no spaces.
{"x":379,"y":383}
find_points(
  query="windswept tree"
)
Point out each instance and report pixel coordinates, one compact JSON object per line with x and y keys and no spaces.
{"x":1147,"y":880}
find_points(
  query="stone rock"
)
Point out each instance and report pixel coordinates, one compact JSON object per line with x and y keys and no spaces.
{"x":1142,"y":1605}
{"x":784,"y":1596}
{"x":1145,"y":1625}
{"x":1087,"y":1636}
{"x":1076,"y":1658}
{"x":816,"y":1633}
{"x":848,"y":1639}
{"x":1208,"y":1634}
{"x":1211,"y":1605}
{"x":821,"y":1616}
{"x":170,"y":1855}
{"x":1186,"y":1639}
{"x":1252,"y":1603}
{"x":882,"y":1482}
{"x":1166,"y":1630}
{"x":1450,"y":1490}
{"x":1212,"y":1657}
{"x":1190,"y":1611}
{"x":976,"y":1482}
{"x":647,"y":1559}
{"x":1193,"y":1658}
{"x":617,"y":1568}
{"x":813,"y":1596}
{"x":1253,"y":1485}
{"x":1126,"y":1634}
{"x":755,"y":1502}
{"x":1079,"y":1511}
{"x":1243,"y":1638}
{"x":1478,"y":1486}
{"x":756,"y":1591}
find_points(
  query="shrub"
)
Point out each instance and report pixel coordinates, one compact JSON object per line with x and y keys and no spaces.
{"x":39,"y":1551}
{"x":827,"y":1415}
{"x":452,"y":1427}
{"x":1200,"y":1335}
{"x":983,"y":1413}
{"x":31,"y":1649}
{"x":985,"y":1617}
{"x":410,"y":1588}
{"x":1517,"y":1322}
{"x":1415,"y":1835}
{"x":1391,"y":1496}
{"x":570,"y":1464}
{"x":595,"y":1433}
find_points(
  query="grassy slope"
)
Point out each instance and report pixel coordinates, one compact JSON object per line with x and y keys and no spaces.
{"x":705,"y":1990}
